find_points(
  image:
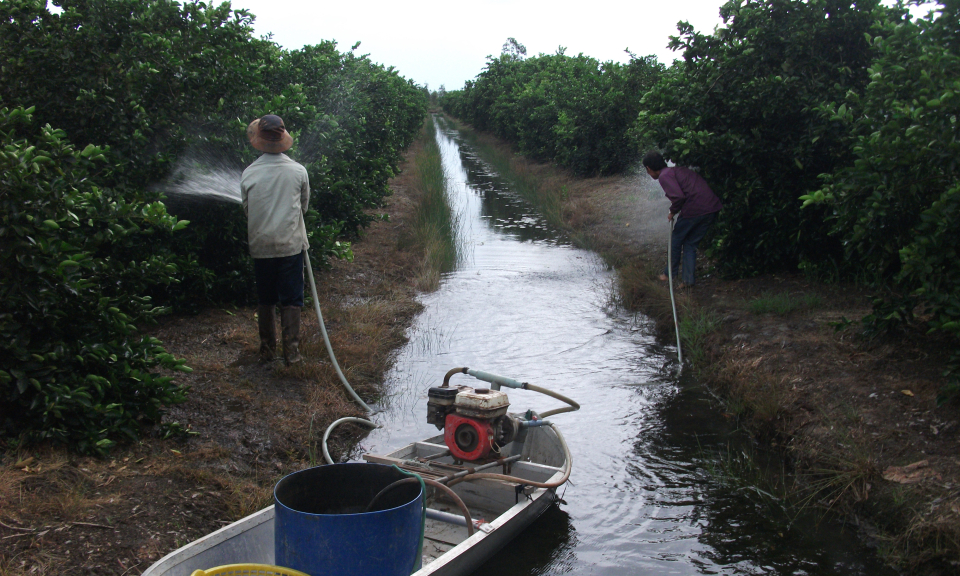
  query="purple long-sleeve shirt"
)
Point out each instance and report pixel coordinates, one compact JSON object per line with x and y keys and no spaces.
{"x":688,"y":192}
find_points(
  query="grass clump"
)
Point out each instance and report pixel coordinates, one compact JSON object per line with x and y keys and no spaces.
{"x":783,"y":303}
{"x":435,"y":227}
{"x":694,"y":329}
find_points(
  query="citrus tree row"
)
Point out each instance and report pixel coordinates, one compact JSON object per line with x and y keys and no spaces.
{"x":99,"y":101}
{"x":828,"y":127}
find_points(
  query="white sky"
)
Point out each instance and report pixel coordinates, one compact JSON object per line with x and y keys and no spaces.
{"x":433,"y":42}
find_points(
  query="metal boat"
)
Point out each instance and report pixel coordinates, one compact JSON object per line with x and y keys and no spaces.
{"x":487,"y":478}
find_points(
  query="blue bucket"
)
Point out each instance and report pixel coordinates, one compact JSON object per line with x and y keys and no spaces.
{"x":321,"y":526}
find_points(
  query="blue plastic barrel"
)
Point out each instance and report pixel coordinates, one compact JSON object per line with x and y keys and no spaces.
{"x":321,"y":527}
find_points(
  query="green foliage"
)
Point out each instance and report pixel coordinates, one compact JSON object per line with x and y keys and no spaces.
{"x":142,"y":87}
{"x":743,"y":108}
{"x":570,"y":110}
{"x":355,"y":119}
{"x":140,"y":77}
{"x":896,"y":207}
{"x":74,"y":368}
{"x":694,"y":330}
{"x":162,"y":82}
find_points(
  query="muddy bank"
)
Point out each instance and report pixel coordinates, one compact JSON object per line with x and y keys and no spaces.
{"x":854,"y":420}
{"x":243,"y":426}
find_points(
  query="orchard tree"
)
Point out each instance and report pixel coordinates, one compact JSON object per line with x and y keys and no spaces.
{"x":742,"y":107}
{"x":896,"y":207}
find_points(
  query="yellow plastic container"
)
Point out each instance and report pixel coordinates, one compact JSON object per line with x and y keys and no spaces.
{"x":248,"y":570}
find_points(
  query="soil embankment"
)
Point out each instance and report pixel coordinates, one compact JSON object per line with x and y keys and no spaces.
{"x":244,"y":425}
{"x":855,"y":420}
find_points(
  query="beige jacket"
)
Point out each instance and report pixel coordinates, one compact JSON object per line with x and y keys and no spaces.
{"x":275,"y":191}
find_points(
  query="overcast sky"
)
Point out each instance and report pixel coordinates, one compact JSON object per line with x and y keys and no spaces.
{"x":433,"y":42}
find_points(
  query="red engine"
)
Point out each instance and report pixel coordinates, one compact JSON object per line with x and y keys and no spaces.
{"x":468,"y":438}
{"x":475,"y":422}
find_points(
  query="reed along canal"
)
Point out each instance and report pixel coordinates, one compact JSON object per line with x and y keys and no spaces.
{"x":646,"y":495}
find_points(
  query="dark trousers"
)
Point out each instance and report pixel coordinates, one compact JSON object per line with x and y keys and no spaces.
{"x":279,"y":280}
{"x":687,"y":233}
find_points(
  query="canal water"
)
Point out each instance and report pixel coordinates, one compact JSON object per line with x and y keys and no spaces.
{"x":644,"y":496}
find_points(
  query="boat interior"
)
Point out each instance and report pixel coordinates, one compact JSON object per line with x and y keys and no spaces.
{"x":534,"y":456}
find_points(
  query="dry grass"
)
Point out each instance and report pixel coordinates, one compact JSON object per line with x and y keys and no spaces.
{"x":427,"y":276}
{"x":44,"y":485}
{"x":39,"y":564}
{"x":932,"y":536}
{"x":755,"y":393}
{"x":580,"y":212}
{"x":362,"y":334}
{"x":240,"y":496}
{"x":246,"y":498}
{"x":840,"y":478}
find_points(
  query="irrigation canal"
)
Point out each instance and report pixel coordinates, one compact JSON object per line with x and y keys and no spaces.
{"x":642,"y":499}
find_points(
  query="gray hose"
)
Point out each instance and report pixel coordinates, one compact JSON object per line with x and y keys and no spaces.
{"x":326,"y":339}
{"x":336,"y":366}
{"x":326,"y":435}
{"x":673,"y":303}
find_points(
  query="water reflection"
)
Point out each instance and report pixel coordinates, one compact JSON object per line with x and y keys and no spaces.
{"x":504,"y":211}
{"x":547,"y":547}
{"x":641,"y":500}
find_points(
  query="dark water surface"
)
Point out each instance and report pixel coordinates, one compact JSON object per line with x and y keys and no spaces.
{"x":527,"y":304}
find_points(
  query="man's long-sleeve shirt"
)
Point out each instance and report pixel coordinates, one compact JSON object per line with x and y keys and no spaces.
{"x":275,"y":191}
{"x":688,"y":192}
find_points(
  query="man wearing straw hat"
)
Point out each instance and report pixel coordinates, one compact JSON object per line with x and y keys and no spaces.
{"x":275,"y":191}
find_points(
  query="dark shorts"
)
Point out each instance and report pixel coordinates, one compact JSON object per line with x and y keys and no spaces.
{"x":279,"y":280}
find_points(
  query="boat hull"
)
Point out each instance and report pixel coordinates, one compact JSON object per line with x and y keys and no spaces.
{"x":251,"y":539}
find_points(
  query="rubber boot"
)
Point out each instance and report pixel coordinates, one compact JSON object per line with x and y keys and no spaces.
{"x":267,"y":322}
{"x":290,"y":325}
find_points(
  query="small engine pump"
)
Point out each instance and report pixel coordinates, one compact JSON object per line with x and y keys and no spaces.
{"x":475,"y":421}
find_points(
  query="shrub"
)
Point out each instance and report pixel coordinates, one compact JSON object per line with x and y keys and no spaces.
{"x":88,"y":249}
{"x":742,"y":108}
{"x":896,"y":207}
{"x":74,"y":368}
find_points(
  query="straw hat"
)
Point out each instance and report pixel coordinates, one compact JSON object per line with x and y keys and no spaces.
{"x":268,"y":134}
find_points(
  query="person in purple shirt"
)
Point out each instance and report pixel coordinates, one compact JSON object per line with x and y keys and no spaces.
{"x":695,"y":206}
